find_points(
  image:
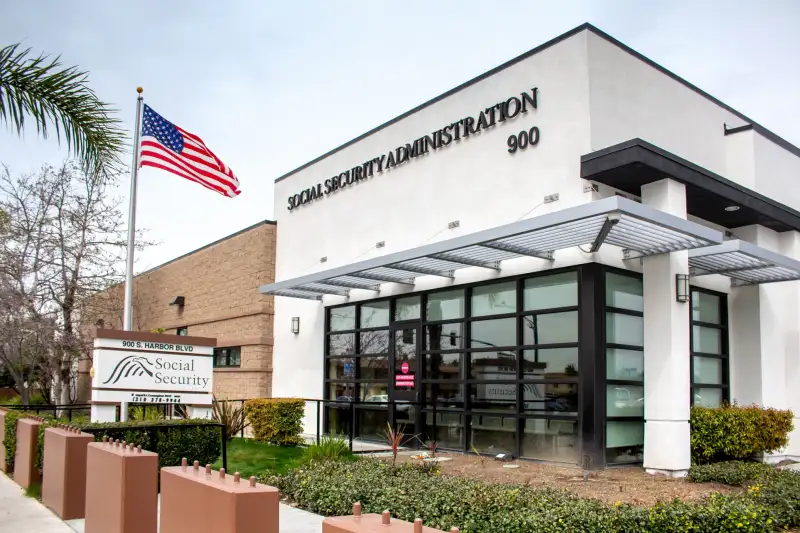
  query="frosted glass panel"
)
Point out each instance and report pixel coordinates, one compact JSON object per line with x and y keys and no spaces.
{"x":490,"y":333}
{"x":707,"y":370}
{"x":494,"y":299}
{"x":375,"y":315}
{"x":620,"y":434}
{"x":407,"y":308}
{"x":560,"y":290}
{"x":342,"y":318}
{"x":624,"y":364}
{"x":624,"y":329}
{"x":706,"y":340}
{"x":445,"y":305}
{"x":705,"y":307}
{"x":624,"y":292}
{"x":708,"y":397}
{"x":624,"y":400}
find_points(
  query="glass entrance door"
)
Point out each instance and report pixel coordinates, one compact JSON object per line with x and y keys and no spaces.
{"x":404,"y":381}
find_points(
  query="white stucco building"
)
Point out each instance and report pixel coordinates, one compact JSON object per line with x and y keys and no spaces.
{"x":516,"y":274}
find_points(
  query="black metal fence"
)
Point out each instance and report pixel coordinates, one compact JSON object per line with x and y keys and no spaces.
{"x":68,"y":411}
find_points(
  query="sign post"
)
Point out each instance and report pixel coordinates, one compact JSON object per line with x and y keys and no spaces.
{"x":138,"y":367}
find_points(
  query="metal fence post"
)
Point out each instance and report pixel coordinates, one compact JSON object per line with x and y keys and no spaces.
{"x":319,"y":407}
{"x":352,"y":424}
{"x":224,"y":431}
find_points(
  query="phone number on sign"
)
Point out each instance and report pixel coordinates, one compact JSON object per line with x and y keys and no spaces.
{"x":155,"y":398}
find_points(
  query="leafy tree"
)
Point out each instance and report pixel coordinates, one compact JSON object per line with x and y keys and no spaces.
{"x":58,"y":98}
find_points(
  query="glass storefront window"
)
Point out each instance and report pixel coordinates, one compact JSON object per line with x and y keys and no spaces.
{"x":624,"y":329}
{"x":550,"y":328}
{"x":447,"y":305}
{"x":624,"y":292}
{"x":447,"y":429}
{"x":374,"y":315}
{"x":374,"y":367}
{"x":377,"y":393}
{"x":624,"y":441}
{"x":707,"y":397}
{"x":446,"y":395}
{"x":493,"y":434}
{"x":374,"y":342}
{"x":342,"y":344}
{"x":494,"y":299}
{"x":493,"y":365}
{"x":342,"y":318}
{"x":493,"y":333}
{"x":547,"y":292}
{"x":706,"y":340}
{"x":371,"y":423}
{"x":551,"y":398}
{"x":407,"y":308}
{"x":550,"y":363}
{"x":339,"y":418}
{"x":444,"y":336}
{"x":341,"y":368}
{"x":493,"y":396}
{"x":550,"y":440}
{"x":707,"y":370}
{"x":344,"y":392}
{"x":624,"y":400}
{"x":705,"y":307}
{"x":443,"y":366}
{"x":626,"y":365}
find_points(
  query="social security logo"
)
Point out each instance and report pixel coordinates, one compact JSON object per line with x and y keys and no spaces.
{"x":132,"y":365}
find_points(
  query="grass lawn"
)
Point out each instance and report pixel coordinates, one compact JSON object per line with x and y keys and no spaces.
{"x":251,"y":458}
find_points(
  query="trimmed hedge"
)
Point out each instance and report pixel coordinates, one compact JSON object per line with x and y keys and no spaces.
{"x":411,"y":491}
{"x":167,"y":438}
{"x":10,"y":437}
{"x":737,"y":432}
{"x":276,"y":420}
{"x":778,"y":491}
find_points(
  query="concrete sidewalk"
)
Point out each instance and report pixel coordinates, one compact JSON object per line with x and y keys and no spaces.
{"x":20,"y":514}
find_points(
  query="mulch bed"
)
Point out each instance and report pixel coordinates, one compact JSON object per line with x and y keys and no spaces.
{"x":631,"y":485}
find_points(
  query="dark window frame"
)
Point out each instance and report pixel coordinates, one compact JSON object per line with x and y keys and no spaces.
{"x":228,"y":350}
{"x":724,"y":356}
{"x":182,"y":331}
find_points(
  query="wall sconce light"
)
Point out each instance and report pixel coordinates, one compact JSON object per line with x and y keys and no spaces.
{"x":178,"y":300}
{"x":682,"y":287}
{"x":295,"y":325}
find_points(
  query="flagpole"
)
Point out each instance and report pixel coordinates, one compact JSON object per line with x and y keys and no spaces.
{"x":128,"y":310}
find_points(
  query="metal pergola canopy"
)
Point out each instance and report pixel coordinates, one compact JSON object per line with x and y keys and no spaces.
{"x":744,"y":262}
{"x":616,"y":221}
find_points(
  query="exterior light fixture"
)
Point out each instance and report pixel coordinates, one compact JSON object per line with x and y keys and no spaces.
{"x":295,"y":325}
{"x":178,"y":300}
{"x":682,"y":287}
{"x":732,"y":208}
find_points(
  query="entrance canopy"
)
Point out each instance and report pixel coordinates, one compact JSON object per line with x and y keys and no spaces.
{"x":744,"y":262}
{"x":617,"y":221}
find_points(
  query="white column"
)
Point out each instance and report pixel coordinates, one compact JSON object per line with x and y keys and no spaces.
{"x":199,"y":411}
{"x":103,"y":413}
{"x":666,"y":347}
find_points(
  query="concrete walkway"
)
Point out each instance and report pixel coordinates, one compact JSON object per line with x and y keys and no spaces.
{"x":20,"y":514}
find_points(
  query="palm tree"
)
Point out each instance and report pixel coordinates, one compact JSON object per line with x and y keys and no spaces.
{"x":58,"y":98}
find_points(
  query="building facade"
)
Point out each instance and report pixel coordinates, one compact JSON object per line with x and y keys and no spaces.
{"x":555,"y":259}
{"x":211,"y":292}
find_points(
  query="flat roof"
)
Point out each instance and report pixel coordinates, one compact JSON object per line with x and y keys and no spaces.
{"x":780,"y":141}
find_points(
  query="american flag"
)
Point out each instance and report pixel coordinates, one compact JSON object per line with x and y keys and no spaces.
{"x":170,"y":148}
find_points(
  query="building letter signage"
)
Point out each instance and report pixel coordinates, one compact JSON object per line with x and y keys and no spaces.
{"x":440,"y":138}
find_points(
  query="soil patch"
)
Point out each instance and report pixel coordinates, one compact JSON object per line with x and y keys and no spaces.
{"x":630,"y":484}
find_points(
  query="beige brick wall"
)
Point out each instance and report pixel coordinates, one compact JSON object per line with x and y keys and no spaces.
{"x":220,"y":286}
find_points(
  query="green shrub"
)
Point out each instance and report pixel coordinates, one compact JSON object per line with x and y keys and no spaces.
{"x":410,"y":491}
{"x":35,"y":399}
{"x":168,"y":438}
{"x":737,"y":432}
{"x":729,"y":472}
{"x":10,"y":437}
{"x":149,"y":413}
{"x":328,"y":449}
{"x":276,"y":420}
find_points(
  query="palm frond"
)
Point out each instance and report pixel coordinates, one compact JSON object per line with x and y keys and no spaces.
{"x":58,"y":98}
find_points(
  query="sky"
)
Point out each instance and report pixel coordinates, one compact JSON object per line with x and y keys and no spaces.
{"x":271,"y":85}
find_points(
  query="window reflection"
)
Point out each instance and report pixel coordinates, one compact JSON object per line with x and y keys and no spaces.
{"x":374,"y":367}
{"x":342,"y":318}
{"x":547,"y":292}
{"x":493,"y":396}
{"x":341,"y":368}
{"x":550,"y":363}
{"x":493,"y":365}
{"x":445,"y":395}
{"x":550,"y":440}
{"x":407,"y":308}
{"x":491,"y":333}
{"x":374,"y":341}
{"x":445,"y":305}
{"x":551,"y":328}
{"x":443,"y":366}
{"x":374,"y":314}
{"x":342,"y":344}
{"x":551,"y":398}
{"x":494,"y":299}
{"x":377,"y":393}
{"x":493,"y":434}
{"x":444,"y":336}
